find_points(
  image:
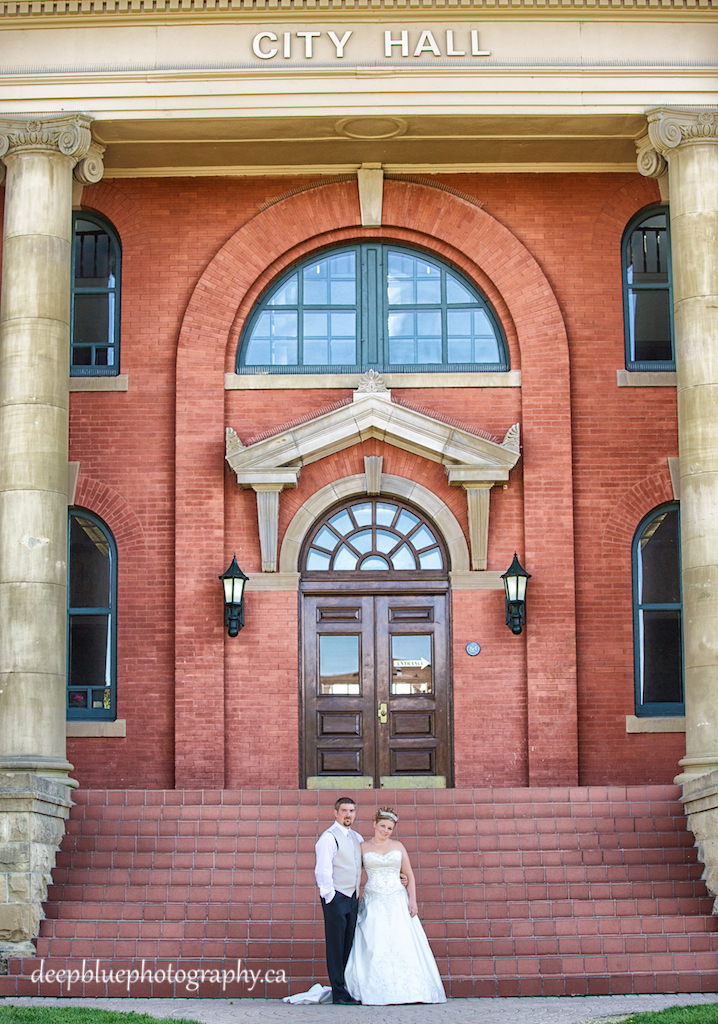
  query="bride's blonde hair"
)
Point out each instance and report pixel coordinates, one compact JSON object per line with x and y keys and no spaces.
{"x":386,"y":812}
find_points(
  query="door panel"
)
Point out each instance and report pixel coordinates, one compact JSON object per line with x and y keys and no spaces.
{"x":339,"y":687}
{"x":412,"y":678}
{"x":376,"y":691}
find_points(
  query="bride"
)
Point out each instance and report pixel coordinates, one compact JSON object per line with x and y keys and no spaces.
{"x":390,"y":961}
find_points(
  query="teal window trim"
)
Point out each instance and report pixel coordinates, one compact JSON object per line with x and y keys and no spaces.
{"x":630,"y":287}
{"x":654,"y":709}
{"x":372,"y":310}
{"x":113,"y":292}
{"x":105,"y":713}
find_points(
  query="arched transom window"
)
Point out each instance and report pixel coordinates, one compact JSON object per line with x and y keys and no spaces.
{"x":374,"y":535}
{"x":372,"y":305}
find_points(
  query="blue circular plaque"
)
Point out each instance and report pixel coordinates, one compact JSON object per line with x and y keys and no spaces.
{"x":473,"y":649}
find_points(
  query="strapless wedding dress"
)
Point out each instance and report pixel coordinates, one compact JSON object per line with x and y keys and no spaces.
{"x":391,"y":961}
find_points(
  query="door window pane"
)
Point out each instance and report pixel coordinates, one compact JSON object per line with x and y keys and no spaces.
{"x":339,"y":665}
{"x":411,"y":665}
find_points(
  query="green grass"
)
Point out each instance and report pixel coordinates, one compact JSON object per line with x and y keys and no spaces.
{"x":706,"y":1014}
{"x":78,"y":1015}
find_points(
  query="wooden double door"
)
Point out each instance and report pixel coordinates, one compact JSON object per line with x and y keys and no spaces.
{"x":376,"y":690}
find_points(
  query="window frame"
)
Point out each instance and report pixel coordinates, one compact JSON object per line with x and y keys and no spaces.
{"x":635,"y":222}
{"x":666,"y":708}
{"x":89,"y":713}
{"x":115,"y":291}
{"x":372,"y":330}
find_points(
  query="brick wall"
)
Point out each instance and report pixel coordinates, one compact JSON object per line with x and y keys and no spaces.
{"x":546,"y":249}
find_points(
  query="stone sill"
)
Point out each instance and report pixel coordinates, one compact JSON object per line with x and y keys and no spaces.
{"x":104,"y":729}
{"x":646,"y":379}
{"x":119,"y":383}
{"x":668,"y":724}
{"x":350,"y":381}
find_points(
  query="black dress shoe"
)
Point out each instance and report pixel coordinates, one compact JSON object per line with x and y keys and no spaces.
{"x":347,"y":1002}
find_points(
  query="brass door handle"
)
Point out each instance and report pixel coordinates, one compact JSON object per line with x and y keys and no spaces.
{"x":383,"y":713}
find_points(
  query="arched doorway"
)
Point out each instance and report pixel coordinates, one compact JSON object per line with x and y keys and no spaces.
{"x":375,"y":637}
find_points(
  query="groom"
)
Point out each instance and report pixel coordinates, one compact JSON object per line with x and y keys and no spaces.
{"x":338,"y":874}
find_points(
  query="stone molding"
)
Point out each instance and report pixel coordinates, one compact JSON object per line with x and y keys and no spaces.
{"x":671,"y":723}
{"x":106,"y":730}
{"x":471,"y":462}
{"x":127,"y":12}
{"x":65,"y":134}
{"x":350,"y":381}
{"x":646,"y":378}
{"x":119,"y":383}
{"x":395,"y":486}
{"x":669,"y":128}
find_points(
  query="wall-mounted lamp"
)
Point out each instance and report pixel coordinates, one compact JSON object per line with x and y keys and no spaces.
{"x":233,"y":581}
{"x":515,"y":579}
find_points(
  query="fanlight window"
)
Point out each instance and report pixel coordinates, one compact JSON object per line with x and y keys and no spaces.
{"x":372,"y":306}
{"x":374,"y":536}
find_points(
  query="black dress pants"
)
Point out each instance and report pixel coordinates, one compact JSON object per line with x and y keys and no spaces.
{"x":340,"y":919}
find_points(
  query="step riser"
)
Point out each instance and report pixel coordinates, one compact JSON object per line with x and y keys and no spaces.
{"x":522,"y":892}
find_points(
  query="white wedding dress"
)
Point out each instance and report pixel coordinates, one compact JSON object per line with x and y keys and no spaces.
{"x":390,"y":961}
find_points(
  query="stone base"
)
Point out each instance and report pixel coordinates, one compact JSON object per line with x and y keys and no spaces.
{"x":33,"y":810}
{"x":700,"y":800}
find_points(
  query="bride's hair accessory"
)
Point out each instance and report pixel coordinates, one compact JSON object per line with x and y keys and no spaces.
{"x":386,"y":812}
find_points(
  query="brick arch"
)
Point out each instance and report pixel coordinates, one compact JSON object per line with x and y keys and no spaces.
{"x":395,"y":486}
{"x":618,"y":210}
{"x":119,"y":515}
{"x":124,"y":215}
{"x":621,"y":525}
{"x":478,"y":244}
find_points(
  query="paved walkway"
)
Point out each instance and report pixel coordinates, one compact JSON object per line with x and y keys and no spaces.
{"x":550,"y":1010}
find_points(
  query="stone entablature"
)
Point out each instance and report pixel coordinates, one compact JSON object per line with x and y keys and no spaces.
{"x":472,"y":462}
{"x":164,"y":11}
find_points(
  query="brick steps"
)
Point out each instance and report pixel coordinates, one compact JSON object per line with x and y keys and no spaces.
{"x":523,"y":892}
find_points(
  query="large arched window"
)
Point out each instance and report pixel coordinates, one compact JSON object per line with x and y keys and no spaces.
{"x":91,"y":630}
{"x":647,"y":293}
{"x":372,"y":305}
{"x":95,"y":318}
{"x":657,"y":626}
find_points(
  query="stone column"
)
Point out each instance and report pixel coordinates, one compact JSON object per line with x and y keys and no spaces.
{"x":687,"y":142}
{"x":39,"y":157}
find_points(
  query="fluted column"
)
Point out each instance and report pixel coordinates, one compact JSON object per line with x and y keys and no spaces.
{"x":687,"y":143}
{"x":39,"y":156}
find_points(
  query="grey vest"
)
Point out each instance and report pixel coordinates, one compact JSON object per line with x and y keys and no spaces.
{"x":346,"y":868}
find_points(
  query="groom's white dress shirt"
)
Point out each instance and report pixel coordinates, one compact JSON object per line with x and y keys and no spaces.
{"x":345,"y":844}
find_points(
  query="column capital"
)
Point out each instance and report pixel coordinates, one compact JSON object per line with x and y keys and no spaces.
{"x":65,"y":134}
{"x":669,"y":128}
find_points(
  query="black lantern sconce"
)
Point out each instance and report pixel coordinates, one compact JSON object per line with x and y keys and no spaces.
{"x":233,"y":581}
{"x":515,"y":579}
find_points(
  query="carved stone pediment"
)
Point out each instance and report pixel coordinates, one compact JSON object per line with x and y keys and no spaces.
{"x":473,"y":462}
